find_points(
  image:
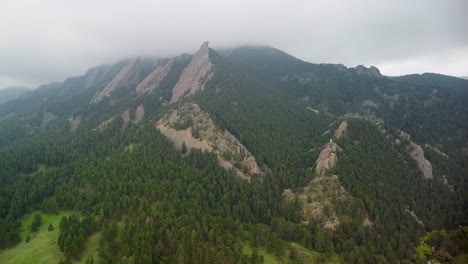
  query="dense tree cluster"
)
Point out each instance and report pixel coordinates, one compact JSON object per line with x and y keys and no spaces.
{"x":154,"y":205}
{"x":73,"y":234}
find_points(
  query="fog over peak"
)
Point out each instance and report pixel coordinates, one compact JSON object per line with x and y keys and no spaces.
{"x":48,"y":40}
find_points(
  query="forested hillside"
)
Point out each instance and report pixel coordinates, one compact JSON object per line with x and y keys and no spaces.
{"x":290,"y":162}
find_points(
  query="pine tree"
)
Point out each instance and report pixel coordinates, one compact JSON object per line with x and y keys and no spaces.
{"x":183,"y":149}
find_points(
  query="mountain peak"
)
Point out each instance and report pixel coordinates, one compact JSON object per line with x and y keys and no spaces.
{"x":195,"y":75}
{"x":205,"y":45}
{"x":372,"y":71}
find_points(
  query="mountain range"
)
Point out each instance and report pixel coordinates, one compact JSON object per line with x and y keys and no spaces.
{"x":240,"y":155}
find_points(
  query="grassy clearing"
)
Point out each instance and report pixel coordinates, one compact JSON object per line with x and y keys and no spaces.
{"x":43,"y":245}
{"x":91,"y":248}
{"x":267,"y":256}
{"x":131,"y":147}
{"x":305,"y":256}
{"x":42,"y":248}
{"x":309,"y":256}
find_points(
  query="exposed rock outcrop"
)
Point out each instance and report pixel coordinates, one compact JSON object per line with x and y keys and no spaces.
{"x":47,"y":117}
{"x":129,"y":75}
{"x":417,"y":153}
{"x":152,"y":81}
{"x":313,"y":110}
{"x":424,"y":165}
{"x":341,"y":131}
{"x":74,"y":123}
{"x":415,"y":217}
{"x":190,"y":125}
{"x":371,"y":71}
{"x":139,"y":113}
{"x":437,"y":150}
{"x":195,"y":75}
{"x":327,"y":158}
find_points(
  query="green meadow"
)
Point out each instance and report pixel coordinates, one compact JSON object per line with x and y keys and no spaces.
{"x":42,"y":248}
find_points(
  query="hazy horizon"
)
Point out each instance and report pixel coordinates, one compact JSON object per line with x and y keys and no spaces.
{"x":52,"y":40}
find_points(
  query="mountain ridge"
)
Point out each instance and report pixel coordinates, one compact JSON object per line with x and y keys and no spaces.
{"x":199,"y":156}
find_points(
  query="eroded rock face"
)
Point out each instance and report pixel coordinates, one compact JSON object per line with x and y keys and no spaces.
{"x":327,"y":158}
{"x":91,"y":77}
{"x":139,"y":113}
{"x":129,"y":75}
{"x":47,"y":117}
{"x":74,"y":123}
{"x":341,"y":131}
{"x":424,"y":165}
{"x":190,"y":125}
{"x":417,"y":153}
{"x":152,"y":81}
{"x":195,"y":75}
{"x":372,"y":71}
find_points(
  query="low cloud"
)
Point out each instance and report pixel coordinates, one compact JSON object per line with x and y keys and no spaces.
{"x":50,"y":40}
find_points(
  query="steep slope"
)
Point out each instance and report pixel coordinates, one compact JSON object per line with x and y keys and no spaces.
{"x":129,"y":76}
{"x":11,"y":93}
{"x":336,"y":174}
{"x":194,"y":77}
{"x":152,"y":81}
{"x":188,"y":125}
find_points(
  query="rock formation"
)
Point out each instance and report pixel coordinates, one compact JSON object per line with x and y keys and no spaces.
{"x":195,"y":75}
{"x":327,"y":158}
{"x":417,"y":153}
{"x":129,"y":75}
{"x":341,"y":131}
{"x":424,"y":165}
{"x":152,"y":81}
{"x":190,"y":125}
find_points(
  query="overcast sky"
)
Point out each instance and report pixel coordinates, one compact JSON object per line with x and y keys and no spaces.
{"x":47,"y":40}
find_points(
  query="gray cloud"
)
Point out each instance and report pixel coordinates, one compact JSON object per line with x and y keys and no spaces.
{"x":47,"y":40}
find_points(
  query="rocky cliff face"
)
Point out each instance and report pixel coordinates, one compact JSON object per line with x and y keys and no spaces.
{"x":195,"y":75}
{"x":191,"y":126}
{"x":424,"y":165}
{"x":341,"y":131}
{"x":327,"y":158}
{"x":152,"y":81}
{"x":417,"y":154}
{"x":128,"y":76}
{"x":372,"y":71}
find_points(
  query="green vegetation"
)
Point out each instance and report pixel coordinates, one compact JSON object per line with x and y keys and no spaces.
{"x":443,"y":247}
{"x":158,"y":206}
{"x":42,"y":246}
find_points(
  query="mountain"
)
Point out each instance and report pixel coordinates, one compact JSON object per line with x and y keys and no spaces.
{"x":11,"y":93}
{"x":242,"y":155}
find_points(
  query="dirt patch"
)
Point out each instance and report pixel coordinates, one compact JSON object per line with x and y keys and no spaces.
{"x":332,"y":222}
{"x":181,"y":136}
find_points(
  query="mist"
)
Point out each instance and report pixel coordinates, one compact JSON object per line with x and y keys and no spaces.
{"x":50,"y":40}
